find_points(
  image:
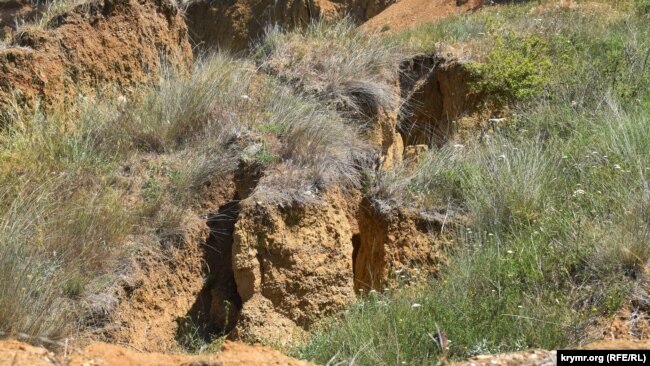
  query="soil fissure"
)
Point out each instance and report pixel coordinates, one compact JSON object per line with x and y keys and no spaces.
{"x":437,"y":92}
{"x":216,"y":310}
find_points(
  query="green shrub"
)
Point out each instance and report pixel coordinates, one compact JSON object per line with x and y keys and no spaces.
{"x":517,"y":68}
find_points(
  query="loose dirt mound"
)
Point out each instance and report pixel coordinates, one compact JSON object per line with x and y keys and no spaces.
{"x":234,"y":24}
{"x":116,"y":42}
{"x":16,"y":353}
{"x":410,"y":13}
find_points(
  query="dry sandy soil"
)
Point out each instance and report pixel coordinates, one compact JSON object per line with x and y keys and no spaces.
{"x":410,"y":13}
{"x":232,"y":354}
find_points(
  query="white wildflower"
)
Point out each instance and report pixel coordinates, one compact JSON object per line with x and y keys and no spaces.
{"x":579,"y":192}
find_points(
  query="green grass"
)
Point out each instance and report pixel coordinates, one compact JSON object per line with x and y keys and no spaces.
{"x":642,"y":7}
{"x":557,"y":201}
{"x":558,"y":236}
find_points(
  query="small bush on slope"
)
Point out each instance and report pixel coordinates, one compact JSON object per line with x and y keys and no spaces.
{"x":515,"y":69}
{"x":558,"y":201}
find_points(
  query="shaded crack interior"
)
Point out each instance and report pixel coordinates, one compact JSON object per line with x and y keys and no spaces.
{"x":217,"y":307}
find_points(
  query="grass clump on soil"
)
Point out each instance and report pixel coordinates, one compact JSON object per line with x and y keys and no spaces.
{"x":335,"y":63}
{"x":557,"y":201}
{"x":85,"y":191}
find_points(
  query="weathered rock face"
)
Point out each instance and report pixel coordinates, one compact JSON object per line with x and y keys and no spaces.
{"x":437,"y":91}
{"x":122,"y":43}
{"x":433,"y":92}
{"x":261,"y":272}
{"x":292,"y":266}
{"x":395,"y":240}
{"x":234,"y":24}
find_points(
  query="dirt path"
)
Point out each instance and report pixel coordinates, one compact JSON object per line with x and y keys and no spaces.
{"x":16,"y":353}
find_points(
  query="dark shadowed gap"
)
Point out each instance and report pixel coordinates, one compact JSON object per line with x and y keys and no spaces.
{"x":216,"y":310}
{"x":356,"y":244}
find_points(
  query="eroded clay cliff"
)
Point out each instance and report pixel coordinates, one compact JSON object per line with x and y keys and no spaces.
{"x":116,"y":44}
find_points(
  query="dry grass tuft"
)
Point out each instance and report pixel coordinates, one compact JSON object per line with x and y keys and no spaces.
{"x":353,"y":71}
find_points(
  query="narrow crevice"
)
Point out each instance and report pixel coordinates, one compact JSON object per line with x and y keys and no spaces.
{"x":369,"y":254}
{"x":356,"y":245}
{"x":437,"y":92}
{"x":217,"y":307}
